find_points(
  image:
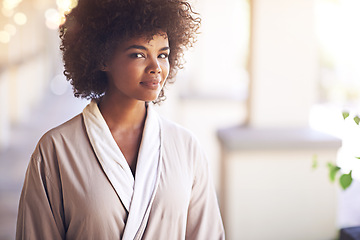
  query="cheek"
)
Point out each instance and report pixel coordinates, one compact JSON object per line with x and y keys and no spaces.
{"x":128,"y":72}
{"x":166,"y":70}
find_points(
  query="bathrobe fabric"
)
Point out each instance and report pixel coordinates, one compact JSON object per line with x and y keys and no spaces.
{"x":77,"y":185}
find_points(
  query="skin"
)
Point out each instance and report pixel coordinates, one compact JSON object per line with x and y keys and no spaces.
{"x":137,"y":72}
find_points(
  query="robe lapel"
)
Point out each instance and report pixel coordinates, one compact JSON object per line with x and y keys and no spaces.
{"x":146,"y":177}
{"x":108,"y":153}
{"x":136,"y":195}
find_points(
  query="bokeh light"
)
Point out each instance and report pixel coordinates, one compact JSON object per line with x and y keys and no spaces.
{"x":53,"y":18}
{"x":20,"y":18}
{"x":66,"y":5}
{"x":11,"y":29}
{"x":11,"y":4}
{"x":4,"y":37}
{"x":56,"y":17}
{"x":7,"y":12}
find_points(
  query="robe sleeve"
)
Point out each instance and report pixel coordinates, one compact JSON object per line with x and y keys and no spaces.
{"x":204,"y":219}
{"x":40,"y":207}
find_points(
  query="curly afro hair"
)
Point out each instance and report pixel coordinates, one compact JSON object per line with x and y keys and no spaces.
{"x":94,"y":28}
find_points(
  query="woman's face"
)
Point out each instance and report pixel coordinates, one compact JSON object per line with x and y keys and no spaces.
{"x":139,"y":68}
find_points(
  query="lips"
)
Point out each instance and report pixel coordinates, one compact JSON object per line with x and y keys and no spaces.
{"x":152,"y":84}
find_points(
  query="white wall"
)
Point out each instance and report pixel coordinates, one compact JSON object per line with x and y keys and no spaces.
{"x":277,"y":195}
{"x":283,"y":63}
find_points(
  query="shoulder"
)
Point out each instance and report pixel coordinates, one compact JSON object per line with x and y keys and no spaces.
{"x":68,"y":132}
{"x":54,"y":145}
{"x":67,"y":129}
{"x":174,"y":130}
{"x":179,"y":137}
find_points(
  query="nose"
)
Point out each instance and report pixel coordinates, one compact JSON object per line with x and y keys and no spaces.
{"x":153,"y":67}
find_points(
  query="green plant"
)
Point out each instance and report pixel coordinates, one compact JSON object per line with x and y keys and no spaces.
{"x":345,"y":179}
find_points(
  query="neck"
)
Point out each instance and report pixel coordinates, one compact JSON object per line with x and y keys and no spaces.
{"x":122,"y":115}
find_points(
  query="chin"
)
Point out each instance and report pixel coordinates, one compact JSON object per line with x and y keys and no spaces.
{"x":149,"y":99}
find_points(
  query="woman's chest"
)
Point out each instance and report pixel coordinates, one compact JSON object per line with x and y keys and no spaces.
{"x":174,"y":188}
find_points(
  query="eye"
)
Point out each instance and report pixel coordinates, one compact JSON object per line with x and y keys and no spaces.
{"x":163,"y":55}
{"x":137,"y":55}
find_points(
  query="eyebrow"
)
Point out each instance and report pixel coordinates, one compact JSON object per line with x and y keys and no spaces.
{"x":144,"y":48}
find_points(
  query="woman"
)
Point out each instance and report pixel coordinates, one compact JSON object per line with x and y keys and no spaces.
{"x":118,"y":170}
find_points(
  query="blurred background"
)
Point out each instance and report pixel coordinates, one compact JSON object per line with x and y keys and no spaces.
{"x":263,"y":89}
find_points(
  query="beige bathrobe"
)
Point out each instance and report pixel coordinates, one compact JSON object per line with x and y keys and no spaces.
{"x":79,"y":186}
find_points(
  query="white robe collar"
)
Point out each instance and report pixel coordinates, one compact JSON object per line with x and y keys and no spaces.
{"x":136,"y":194}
